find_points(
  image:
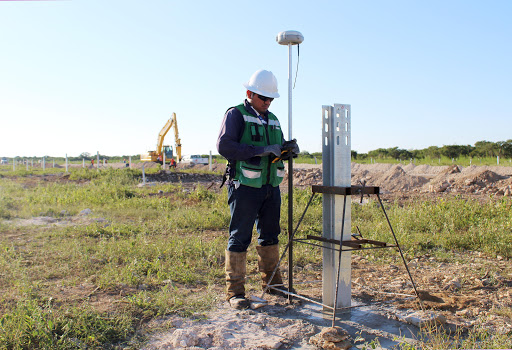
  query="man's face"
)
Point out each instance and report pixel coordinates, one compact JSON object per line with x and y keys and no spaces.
{"x":257,"y":102}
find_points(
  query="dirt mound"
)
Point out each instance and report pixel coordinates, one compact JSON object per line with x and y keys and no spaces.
{"x":470,"y":181}
{"x":397,"y":180}
{"x":484,"y":178}
{"x":453,"y":169}
{"x":427,"y":170}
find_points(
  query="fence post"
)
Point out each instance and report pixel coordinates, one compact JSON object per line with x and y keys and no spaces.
{"x":67,"y":167}
{"x":130,"y":160}
{"x":26,"y":162}
{"x":210,"y":161}
{"x":98,"y":160}
{"x":143,"y":174}
{"x":498,"y":160}
{"x":44,"y":163}
{"x":14,"y":164}
{"x":83,"y":162}
{"x":163,"y":163}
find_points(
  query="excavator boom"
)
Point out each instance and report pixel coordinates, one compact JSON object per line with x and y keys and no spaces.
{"x":177,"y":139}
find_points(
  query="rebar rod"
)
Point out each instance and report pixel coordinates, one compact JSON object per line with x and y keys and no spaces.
{"x":401,"y":254}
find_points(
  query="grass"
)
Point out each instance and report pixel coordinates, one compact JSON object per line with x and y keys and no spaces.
{"x":94,"y":284}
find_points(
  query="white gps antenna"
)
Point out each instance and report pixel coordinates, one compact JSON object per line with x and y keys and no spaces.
{"x":289,"y":37}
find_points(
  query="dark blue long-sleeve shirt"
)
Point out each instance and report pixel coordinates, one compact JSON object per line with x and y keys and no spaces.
{"x":231,"y":131}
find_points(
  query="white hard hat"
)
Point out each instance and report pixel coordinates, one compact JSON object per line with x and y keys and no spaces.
{"x":264,"y":83}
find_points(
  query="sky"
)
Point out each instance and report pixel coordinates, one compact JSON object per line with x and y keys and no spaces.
{"x":104,"y":76}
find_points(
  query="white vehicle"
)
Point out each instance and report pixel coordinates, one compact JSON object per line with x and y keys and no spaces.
{"x":195,"y":159}
{"x":4,"y":161}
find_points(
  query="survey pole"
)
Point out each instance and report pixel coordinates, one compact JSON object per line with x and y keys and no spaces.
{"x":290,"y":38}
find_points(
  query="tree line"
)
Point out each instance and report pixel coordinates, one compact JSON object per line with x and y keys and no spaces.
{"x":482,"y":149}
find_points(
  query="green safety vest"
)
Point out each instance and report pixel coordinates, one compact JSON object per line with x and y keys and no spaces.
{"x":258,"y":134}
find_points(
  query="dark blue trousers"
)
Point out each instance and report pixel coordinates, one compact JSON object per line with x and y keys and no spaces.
{"x":249,"y":206}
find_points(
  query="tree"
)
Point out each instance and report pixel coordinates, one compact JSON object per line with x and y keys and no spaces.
{"x":485,"y":149}
{"x":451,"y":151}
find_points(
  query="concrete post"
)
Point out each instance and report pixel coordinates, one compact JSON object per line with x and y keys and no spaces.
{"x":143,"y":174}
{"x":26,"y":162}
{"x":498,"y":160}
{"x":67,"y":164}
{"x":210,"y":161}
{"x":83,"y":162}
{"x":14,"y":164}
{"x":44,"y":163}
{"x":163,"y":164}
{"x":97,"y":160}
{"x":130,"y":161}
{"x":336,"y":144}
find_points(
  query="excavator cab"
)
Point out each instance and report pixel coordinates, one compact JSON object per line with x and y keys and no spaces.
{"x":168,"y":152}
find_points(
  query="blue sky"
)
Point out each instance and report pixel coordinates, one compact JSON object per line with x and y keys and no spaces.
{"x":89,"y":75}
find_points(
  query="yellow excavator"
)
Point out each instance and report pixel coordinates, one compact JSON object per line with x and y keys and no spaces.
{"x":161,"y":149}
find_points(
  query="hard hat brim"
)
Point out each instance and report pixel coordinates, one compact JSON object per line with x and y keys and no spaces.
{"x":259,"y":92}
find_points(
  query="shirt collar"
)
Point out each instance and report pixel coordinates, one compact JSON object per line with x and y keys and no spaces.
{"x":251,"y":110}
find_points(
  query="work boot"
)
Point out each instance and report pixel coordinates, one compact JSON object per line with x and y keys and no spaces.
{"x":268,"y":258}
{"x":235,"y":279}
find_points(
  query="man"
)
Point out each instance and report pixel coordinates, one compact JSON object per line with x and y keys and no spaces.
{"x":251,"y":139}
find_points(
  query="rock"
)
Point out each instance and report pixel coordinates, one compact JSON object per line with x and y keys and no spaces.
{"x":453,"y":284}
{"x":334,"y":334}
{"x":421,"y":318}
{"x":86,"y":212}
{"x":412,"y":264}
{"x":257,"y":302}
{"x":331,"y":338}
{"x":183,"y":338}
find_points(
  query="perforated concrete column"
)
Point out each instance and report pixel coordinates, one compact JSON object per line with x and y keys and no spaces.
{"x":336,"y":172}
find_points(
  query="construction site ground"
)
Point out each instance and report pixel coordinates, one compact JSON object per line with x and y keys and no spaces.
{"x":464,"y":292}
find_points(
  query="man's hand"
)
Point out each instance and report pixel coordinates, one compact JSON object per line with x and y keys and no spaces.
{"x":274,"y":150}
{"x":290,"y":149}
{"x":292,"y":146}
